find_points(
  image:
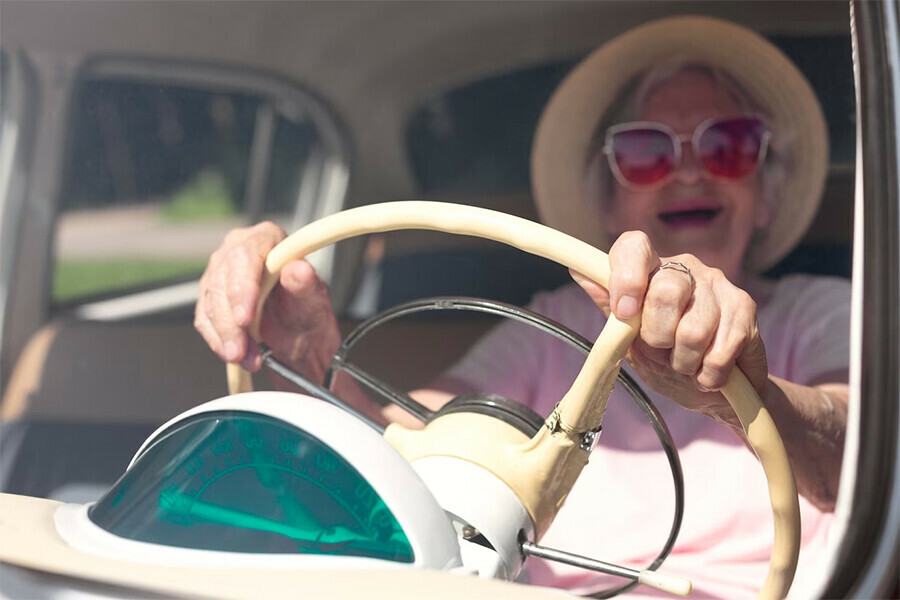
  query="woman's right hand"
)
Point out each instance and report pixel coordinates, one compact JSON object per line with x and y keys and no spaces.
{"x":298,"y":322}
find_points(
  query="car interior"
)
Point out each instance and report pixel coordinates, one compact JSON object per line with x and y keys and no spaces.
{"x":405,"y":111}
{"x":145,"y":133}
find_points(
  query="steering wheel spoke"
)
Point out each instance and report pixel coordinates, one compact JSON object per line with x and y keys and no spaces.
{"x":314,"y":389}
{"x":385,"y":391}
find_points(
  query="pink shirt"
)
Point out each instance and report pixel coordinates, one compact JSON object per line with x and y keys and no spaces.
{"x":621,"y":508}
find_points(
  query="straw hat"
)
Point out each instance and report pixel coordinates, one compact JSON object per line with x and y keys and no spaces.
{"x":559,"y":161}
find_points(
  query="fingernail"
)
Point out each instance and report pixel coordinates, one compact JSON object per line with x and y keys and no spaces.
{"x":627,"y":307}
{"x":251,"y":362}
{"x":704,"y":389}
{"x":240,"y":314}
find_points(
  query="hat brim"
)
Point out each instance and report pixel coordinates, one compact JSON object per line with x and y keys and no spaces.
{"x":565,"y":133}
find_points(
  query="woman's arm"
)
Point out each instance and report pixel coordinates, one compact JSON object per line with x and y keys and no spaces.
{"x":694,"y":330}
{"x":812,"y":421}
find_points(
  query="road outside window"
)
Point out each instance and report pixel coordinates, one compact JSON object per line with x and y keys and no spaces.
{"x":157,"y":174}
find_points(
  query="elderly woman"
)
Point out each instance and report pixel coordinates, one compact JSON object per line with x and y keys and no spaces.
{"x":701,"y":150}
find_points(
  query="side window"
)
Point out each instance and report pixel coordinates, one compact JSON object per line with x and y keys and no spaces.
{"x":471,"y":144}
{"x":157,"y":172}
{"x":460,"y":149}
{"x":457,"y":143}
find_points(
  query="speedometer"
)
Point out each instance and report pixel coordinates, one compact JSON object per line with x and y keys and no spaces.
{"x":267,"y":473}
{"x":242,"y":482}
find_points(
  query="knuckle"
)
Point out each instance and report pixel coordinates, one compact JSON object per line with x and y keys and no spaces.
{"x":235,"y":236}
{"x":237,"y":291}
{"x":238,"y":256}
{"x":683,"y":367}
{"x":692,"y":337}
{"x":746,"y":306}
{"x":686,"y":259}
{"x":656,"y":337}
{"x":635,"y":238}
{"x":631,"y":243}
{"x":637,"y":242}
{"x":667,"y":289}
{"x":717,"y":363}
{"x":711,"y":374}
{"x":269,"y":229}
{"x":717,"y":276}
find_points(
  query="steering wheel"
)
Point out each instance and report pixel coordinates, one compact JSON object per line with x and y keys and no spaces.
{"x":542,"y":471}
{"x":505,"y":409}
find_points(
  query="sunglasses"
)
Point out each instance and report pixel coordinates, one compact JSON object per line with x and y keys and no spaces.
{"x":645,"y":154}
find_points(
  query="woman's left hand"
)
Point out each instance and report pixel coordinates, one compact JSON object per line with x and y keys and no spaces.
{"x":692,"y":332}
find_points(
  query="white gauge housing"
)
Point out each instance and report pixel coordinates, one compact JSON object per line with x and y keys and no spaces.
{"x":430,"y":533}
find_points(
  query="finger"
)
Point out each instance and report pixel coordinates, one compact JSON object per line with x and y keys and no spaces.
{"x":233,"y":339}
{"x":737,"y":327}
{"x":598,"y":294}
{"x":244,"y":266}
{"x":695,"y":333}
{"x":656,"y":359}
{"x":631,"y":261}
{"x":667,"y":299}
{"x":207,"y":331}
{"x":752,"y":362}
{"x":302,"y":301}
{"x":251,"y":361}
{"x":243,"y":270}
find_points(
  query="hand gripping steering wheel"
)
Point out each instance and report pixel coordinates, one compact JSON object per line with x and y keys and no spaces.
{"x":542,"y":470}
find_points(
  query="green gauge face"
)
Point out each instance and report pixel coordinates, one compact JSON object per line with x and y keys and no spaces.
{"x":242,"y":482}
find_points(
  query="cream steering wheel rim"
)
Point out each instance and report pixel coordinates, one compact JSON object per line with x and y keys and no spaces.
{"x":580,"y":404}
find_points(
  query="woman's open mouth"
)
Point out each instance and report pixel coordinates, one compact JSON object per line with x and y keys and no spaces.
{"x":691,"y":217}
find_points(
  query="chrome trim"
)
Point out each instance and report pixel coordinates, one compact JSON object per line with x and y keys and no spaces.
{"x":19,"y":110}
{"x":139,"y":304}
{"x":866,"y":560}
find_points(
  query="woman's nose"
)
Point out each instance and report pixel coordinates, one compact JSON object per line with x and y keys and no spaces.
{"x":688,"y":170}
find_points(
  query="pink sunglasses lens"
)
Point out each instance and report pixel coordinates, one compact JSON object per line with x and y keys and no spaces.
{"x":643,"y":156}
{"x":731,"y":148}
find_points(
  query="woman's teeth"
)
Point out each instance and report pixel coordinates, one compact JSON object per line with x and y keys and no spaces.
{"x":700,"y":216}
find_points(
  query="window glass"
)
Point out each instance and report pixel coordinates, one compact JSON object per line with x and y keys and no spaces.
{"x":294,"y":161}
{"x":827,"y":63}
{"x":157,"y":174}
{"x":243,"y":482}
{"x":475,"y":141}
{"x":477,"y":138}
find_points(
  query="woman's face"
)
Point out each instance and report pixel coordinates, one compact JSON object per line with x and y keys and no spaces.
{"x":693,"y":211}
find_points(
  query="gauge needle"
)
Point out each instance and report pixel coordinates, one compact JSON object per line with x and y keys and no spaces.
{"x":184,"y":505}
{"x":295,"y":512}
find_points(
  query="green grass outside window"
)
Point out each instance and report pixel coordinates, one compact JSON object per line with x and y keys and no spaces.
{"x":73,"y":279}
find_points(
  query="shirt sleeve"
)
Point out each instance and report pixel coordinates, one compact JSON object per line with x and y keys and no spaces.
{"x":809,"y":329}
{"x":505,"y":361}
{"x":516,"y":360}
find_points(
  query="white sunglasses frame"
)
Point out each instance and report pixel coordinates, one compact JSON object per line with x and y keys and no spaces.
{"x":678,"y":140}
